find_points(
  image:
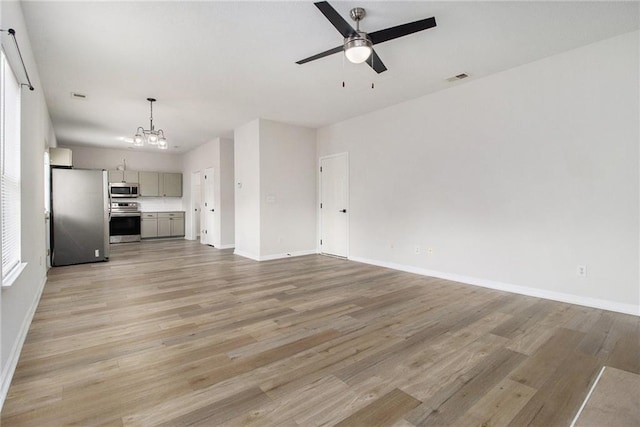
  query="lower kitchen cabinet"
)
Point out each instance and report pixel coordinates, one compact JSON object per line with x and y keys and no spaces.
{"x":149,"y":225}
{"x":162,"y":224}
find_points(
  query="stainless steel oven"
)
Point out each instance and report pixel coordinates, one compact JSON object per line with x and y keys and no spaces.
{"x":124,"y":222}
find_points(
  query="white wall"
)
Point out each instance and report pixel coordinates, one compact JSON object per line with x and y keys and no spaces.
{"x":18,"y":303}
{"x":217,"y":154}
{"x":225,"y":178}
{"x":288,"y":189}
{"x":247,"y":193}
{"x":276,"y":203}
{"x":513,"y":180}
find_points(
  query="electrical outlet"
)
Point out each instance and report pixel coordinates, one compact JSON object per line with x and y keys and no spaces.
{"x":581,"y":271}
{"x":430,"y":251}
{"x":416,"y":250}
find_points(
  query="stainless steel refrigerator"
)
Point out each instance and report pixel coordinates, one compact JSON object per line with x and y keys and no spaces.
{"x":79,"y":216}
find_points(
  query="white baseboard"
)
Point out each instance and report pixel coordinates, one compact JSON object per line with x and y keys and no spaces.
{"x":523,"y":290}
{"x":12,"y":362}
{"x":246,"y":255}
{"x":274,"y":256}
{"x":232,"y":245}
{"x":287,"y":255}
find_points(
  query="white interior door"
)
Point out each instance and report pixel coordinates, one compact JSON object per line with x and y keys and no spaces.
{"x":334,"y":200}
{"x":196,"y":196}
{"x":208,"y":208}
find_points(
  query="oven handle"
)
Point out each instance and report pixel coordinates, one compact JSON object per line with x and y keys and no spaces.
{"x":125,"y":214}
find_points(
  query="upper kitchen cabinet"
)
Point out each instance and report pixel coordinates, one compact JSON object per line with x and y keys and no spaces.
{"x":123,"y":176}
{"x":149,"y":184}
{"x":171,"y":184}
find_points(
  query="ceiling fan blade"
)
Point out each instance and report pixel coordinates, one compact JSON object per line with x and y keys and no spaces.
{"x":321,"y":55}
{"x":376,"y":63}
{"x":334,"y":17}
{"x":402,"y":30}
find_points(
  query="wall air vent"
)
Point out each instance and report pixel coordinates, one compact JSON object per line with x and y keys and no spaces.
{"x":80,"y":96}
{"x":458,"y":77}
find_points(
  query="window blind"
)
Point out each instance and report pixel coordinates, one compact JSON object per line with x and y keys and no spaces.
{"x":10,"y":167}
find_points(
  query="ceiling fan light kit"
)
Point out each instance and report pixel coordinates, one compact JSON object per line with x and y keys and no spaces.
{"x":358,"y":45}
{"x":358,"y":48}
{"x":150,"y":136}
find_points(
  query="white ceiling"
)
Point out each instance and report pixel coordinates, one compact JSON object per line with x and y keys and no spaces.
{"x":216,"y":65}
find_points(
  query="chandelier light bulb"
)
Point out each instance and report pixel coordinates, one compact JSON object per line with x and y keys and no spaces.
{"x":138,"y":140}
{"x":152,"y":139}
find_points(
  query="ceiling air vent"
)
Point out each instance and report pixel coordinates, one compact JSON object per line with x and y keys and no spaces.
{"x":458,"y":77}
{"x":78,"y":96}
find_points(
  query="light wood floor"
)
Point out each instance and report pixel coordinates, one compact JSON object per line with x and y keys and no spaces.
{"x":175,"y":333}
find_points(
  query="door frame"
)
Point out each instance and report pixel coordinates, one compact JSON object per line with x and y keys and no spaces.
{"x":320,"y":159}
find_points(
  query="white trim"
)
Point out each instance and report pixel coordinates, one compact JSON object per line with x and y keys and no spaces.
{"x":10,"y":278}
{"x":275,"y":256}
{"x":246,"y":255}
{"x":523,"y":290}
{"x":12,"y":361}
{"x":229,"y":246}
{"x":584,"y":403}
{"x":288,"y":255}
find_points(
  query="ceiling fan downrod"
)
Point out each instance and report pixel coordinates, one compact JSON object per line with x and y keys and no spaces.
{"x":357,"y":14}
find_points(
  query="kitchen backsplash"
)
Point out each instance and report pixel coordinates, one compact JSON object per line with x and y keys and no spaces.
{"x":160,"y":204}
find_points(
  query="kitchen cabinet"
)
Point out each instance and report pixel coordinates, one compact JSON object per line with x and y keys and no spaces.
{"x":149,"y":225}
{"x":123,"y":176}
{"x":149,"y":184}
{"x":152,"y":184}
{"x":170,"y":184}
{"x":162,"y":224}
{"x":170,"y":224}
{"x":164,"y":227}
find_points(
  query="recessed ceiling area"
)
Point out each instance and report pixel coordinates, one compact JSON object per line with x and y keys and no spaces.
{"x":214,"y":66}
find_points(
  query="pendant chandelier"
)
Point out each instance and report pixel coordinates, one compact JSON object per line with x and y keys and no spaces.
{"x":150,"y":136}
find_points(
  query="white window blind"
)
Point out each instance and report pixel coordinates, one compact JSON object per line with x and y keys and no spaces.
{"x":10,"y":168}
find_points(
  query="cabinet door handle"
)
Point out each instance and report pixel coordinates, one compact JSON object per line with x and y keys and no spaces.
{"x":343,"y":210}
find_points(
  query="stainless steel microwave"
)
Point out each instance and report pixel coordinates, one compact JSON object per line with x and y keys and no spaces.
{"x":123,"y":189}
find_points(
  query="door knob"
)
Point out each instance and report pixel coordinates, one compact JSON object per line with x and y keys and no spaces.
{"x":211,"y":210}
{"x":343,"y":210}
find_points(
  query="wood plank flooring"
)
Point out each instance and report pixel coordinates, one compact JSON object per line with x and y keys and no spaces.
{"x":176,"y":333}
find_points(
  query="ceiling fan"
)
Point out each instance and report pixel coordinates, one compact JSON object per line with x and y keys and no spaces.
{"x":358,"y":45}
